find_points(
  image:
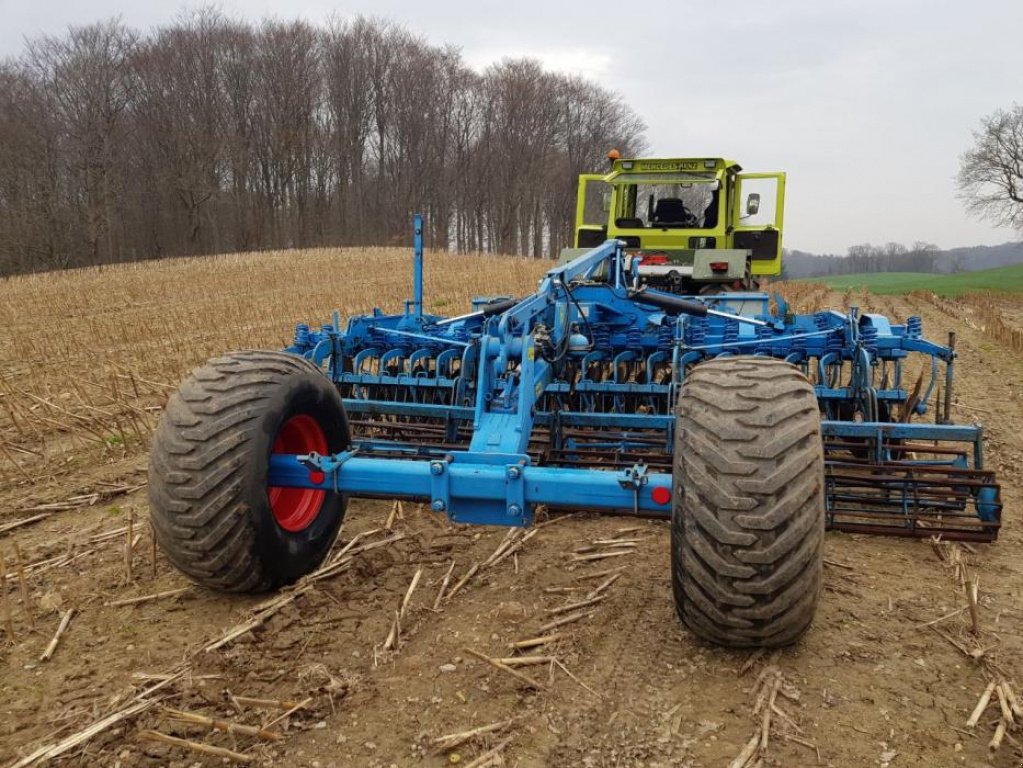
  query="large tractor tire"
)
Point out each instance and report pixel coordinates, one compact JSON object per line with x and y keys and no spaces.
{"x":213,"y":514}
{"x":747,"y":524}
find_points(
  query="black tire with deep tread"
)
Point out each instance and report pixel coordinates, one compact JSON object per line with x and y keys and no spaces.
{"x":747,"y":533}
{"x":208,"y":471}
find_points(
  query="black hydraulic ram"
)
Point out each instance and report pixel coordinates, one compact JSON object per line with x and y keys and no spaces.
{"x":673,"y":305}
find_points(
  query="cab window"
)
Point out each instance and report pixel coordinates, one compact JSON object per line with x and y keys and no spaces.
{"x":692,"y":205}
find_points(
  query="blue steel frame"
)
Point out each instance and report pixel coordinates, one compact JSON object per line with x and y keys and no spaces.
{"x":586,"y":351}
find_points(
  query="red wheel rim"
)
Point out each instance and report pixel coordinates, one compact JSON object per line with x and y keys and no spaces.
{"x":294,"y":509}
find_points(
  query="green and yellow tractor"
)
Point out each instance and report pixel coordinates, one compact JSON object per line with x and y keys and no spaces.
{"x":695,"y":225}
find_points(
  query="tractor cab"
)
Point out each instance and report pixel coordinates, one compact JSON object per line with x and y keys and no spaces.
{"x":691,"y":225}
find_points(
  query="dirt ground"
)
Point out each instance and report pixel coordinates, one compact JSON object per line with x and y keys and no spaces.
{"x":868,"y":686}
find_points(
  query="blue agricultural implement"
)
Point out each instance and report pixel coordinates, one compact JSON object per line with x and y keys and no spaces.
{"x":748,"y":427}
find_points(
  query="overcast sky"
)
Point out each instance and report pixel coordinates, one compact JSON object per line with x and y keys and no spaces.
{"x":866,"y":104}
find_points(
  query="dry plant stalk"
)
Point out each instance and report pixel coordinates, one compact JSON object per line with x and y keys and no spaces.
{"x":61,"y":628}
{"x":940,"y":619}
{"x":463,"y":581}
{"x":601,"y":574}
{"x":509,"y":537}
{"x":269,"y":608}
{"x":515,"y":546}
{"x":451,"y":740}
{"x":393,"y":635}
{"x":748,"y":751}
{"x":996,"y":740}
{"x":301,"y":705}
{"x":26,"y":604}
{"x":265,"y":611}
{"x":26,"y":521}
{"x":576,"y":606}
{"x":768,"y":710}
{"x":193,"y":718}
{"x":604,"y":585}
{"x":129,"y":547}
{"x":972,"y":596}
{"x":1017,"y":710}
{"x":753,"y":659}
{"x":443,"y":586}
{"x":250,"y":701}
{"x":1003,"y":704}
{"x":396,"y":514}
{"x":496,"y":664}
{"x":526,"y":661}
{"x":205,"y":749}
{"x":573,"y":677}
{"x":147,"y":598}
{"x":487,"y":757}
{"x":8,"y":619}
{"x":982,"y":704}
{"x":600,"y":555}
{"x":770,"y":683}
{"x":535,"y":641}
{"x":566,"y":620}
{"x":602,"y":548}
{"x":555,"y":520}
{"x":50,"y":751}
{"x":16,"y":463}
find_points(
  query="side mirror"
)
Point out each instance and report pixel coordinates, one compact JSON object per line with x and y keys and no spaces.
{"x":605,"y":200}
{"x":753,"y":204}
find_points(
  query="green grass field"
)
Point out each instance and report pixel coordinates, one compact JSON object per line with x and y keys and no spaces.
{"x":1006,"y":279}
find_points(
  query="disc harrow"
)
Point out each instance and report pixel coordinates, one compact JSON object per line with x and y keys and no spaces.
{"x":587,"y":374}
{"x":750,"y":427}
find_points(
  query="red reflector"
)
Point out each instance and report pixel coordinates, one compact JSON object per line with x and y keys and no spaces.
{"x":661,"y":495}
{"x":317,"y":477}
{"x":654,"y":259}
{"x":719,"y":266}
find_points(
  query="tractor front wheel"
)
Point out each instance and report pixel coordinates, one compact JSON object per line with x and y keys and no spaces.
{"x":213,"y":514}
{"x":747,"y":533}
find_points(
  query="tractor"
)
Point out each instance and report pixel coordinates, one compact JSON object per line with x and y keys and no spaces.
{"x":645,"y":376}
{"x":692,"y":225}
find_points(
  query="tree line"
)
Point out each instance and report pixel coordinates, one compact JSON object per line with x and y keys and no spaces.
{"x":896,"y":257}
{"x":213,"y":135}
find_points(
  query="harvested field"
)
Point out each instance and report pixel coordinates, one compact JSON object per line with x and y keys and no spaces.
{"x":533,"y":655}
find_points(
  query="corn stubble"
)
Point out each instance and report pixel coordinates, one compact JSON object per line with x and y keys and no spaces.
{"x":88,"y":357}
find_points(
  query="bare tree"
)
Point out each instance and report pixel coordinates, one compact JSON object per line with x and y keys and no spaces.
{"x":179,"y":113}
{"x":87,"y":81}
{"x":991,"y":172}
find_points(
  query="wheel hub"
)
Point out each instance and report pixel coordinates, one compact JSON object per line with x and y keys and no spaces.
{"x":295,"y":509}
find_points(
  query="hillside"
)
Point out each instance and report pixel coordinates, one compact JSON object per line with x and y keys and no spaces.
{"x":1006,"y":279}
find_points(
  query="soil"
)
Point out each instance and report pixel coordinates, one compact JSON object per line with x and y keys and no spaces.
{"x":867,"y":686}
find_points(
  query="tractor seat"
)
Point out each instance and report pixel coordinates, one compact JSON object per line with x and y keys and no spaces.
{"x":671,"y":212}
{"x":629,"y":223}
